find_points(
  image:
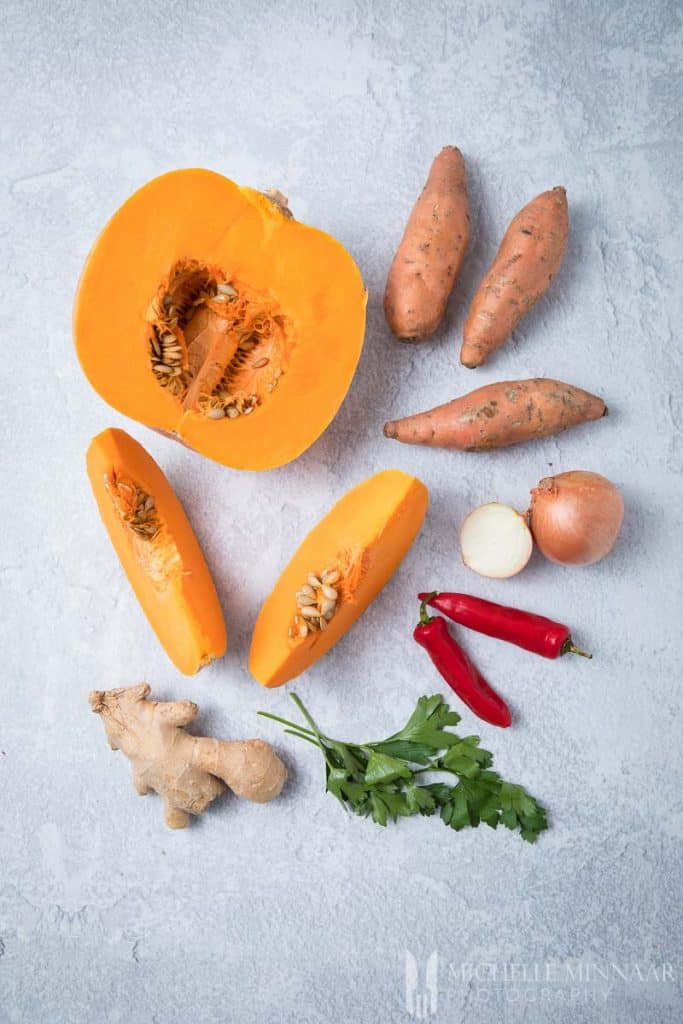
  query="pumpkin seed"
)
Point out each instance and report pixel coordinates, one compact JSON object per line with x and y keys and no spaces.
{"x":317,"y":600}
{"x":263,"y":361}
{"x":216,"y":414}
{"x":303,"y":630}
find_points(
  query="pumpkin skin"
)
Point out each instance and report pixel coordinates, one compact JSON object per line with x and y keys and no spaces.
{"x":167,"y":571}
{"x":365,"y":537}
{"x":308,"y":282}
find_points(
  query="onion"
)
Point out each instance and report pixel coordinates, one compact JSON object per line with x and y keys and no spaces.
{"x":495,"y":541}
{"x":576,"y":517}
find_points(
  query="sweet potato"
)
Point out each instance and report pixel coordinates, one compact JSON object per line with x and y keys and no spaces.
{"x":499,"y":415}
{"x":431,"y":252}
{"x":528,"y":258}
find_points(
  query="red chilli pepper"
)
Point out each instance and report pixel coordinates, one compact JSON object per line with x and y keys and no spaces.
{"x":532,"y":632}
{"x":458,"y":671}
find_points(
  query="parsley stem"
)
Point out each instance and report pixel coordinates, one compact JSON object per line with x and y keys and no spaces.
{"x":314,"y":731}
{"x":303,"y":736}
{"x":285,"y":721}
{"x":302,"y":708}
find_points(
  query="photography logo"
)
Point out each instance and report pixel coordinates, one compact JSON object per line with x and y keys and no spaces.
{"x":422,"y":987}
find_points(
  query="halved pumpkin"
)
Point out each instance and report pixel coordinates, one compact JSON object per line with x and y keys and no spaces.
{"x":158,"y":550}
{"x":206,"y":311}
{"x":339,"y":569}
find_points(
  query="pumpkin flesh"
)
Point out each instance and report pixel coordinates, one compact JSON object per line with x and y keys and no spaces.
{"x":157,"y":549}
{"x":207,"y":312}
{"x":358,"y":544}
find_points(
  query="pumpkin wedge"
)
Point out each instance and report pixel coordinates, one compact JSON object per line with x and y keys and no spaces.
{"x":207,"y":312}
{"x":158,"y":550}
{"x":338,"y":570}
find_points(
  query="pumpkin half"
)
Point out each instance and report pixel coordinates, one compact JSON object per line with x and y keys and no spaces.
{"x":158,"y":550}
{"x":338,"y":570}
{"x":207,"y":312}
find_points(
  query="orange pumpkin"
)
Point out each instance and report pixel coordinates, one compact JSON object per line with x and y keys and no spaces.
{"x":339,"y":569}
{"x":207,"y":312}
{"x":157,"y":549}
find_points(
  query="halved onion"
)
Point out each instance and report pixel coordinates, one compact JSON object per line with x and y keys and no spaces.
{"x":495,"y":541}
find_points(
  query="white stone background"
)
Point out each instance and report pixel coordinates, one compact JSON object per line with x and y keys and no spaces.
{"x":294,"y":912}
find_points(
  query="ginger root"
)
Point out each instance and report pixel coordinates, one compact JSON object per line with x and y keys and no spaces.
{"x":187,"y":771}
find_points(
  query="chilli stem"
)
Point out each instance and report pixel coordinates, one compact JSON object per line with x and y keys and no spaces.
{"x":569,"y":647}
{"x":425,"y":617}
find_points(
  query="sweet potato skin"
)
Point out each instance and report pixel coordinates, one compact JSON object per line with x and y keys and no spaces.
{"x":528,"y":259}
{"x":429,"y":258}
{"x":499,"y":415}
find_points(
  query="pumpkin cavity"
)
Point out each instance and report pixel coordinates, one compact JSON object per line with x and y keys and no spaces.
{"x":322,"y":594}
{"x":218,"y":346}
{"x":154,"y":548}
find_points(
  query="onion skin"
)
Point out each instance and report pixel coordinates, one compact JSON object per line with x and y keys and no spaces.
{"x":575,"y":517}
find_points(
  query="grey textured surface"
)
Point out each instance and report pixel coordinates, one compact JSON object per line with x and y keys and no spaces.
{"x":292,"y":912}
